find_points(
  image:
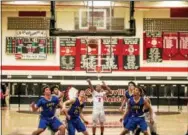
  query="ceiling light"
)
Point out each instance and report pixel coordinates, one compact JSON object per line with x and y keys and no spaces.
{"x":98,"y":3}
{"x":26,"y":2}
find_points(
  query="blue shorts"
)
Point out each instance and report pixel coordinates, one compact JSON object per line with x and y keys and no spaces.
{"x":125,"y":121}
{"x":77,"y":124}
{"x":54,"y":123}
{"x":133,"y":122}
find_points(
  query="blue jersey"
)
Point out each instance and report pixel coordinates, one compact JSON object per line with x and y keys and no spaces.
{"x":136,"y":109}
{"x":48,"y":106}
{"x":75,"y":109}
{"x":127,"y":94}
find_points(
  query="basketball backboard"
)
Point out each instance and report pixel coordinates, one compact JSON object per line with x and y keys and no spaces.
{"x":77,"y":16}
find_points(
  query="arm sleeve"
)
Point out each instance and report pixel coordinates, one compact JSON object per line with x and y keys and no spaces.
{"x":39,"y":103}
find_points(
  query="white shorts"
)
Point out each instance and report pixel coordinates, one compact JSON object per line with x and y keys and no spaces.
{"x":98,"y":116}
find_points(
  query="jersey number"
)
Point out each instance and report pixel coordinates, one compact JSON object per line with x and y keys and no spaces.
{"x":99,"y":99}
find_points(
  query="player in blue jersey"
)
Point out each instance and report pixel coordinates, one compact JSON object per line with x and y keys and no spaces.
{"x":153,"y":126}
{"x":48,"y":103}
{"x":74,"y":113}
{"x":135,"y":108}
{"x":128,"y":95}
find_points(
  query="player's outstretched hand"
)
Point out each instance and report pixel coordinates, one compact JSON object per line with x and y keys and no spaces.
{"x":121,"y":109}
{"x":86,"y":122}
{"x":88,"y":80}
{"x":68,"y":117}
{"x":121,"y":120}
{"x":151,"y":121}
{"x":103,"y":83}
{"x":32,"y":104}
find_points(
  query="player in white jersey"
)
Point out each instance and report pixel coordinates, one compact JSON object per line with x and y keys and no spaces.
{"x":98,"y":104}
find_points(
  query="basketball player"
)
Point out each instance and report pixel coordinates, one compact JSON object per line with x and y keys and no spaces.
{"x":98,"y":105}
{"x":48,"y":103}
{"x":56,"y":92}
{"x":152,"y":127}
{"x":128,"y":95}
{"x":135,"y":107}
{"x":74,"y":114}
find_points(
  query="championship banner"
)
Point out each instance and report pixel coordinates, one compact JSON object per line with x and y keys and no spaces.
{"x":131,"y":54}
{"x":170,"y":45}
{"x":183,"y":44}
{"x":109,"y":53}
{"x":153,"y":46}
{"x":67,"y":53}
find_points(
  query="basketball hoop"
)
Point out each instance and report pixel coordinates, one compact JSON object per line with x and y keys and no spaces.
{"x":92,"y":29}
{"x":93,"y":43}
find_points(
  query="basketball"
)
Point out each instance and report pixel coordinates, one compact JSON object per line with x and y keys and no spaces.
{"x":92,"y":43}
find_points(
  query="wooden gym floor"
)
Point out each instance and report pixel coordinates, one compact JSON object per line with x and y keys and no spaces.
{"x":24,"y":123}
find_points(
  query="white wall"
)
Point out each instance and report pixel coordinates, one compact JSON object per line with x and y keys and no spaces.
{"x":65,"y":19}
{"x":10,"y":59}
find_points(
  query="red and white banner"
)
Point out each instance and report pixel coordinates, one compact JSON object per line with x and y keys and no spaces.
{"x":170,"y":45}
{"x":153,"y":46}
{"x":67,"y":51}
{"x":131,"y":54}
{"x":183,"y":44}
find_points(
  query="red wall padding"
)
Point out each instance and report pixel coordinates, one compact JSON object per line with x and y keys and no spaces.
{"x":32,"y":13}
{"x":179,"y":12}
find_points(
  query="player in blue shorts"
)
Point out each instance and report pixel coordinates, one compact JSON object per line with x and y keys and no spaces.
{"x":48,"y":103}
{"x":135,"y":108}
{"x":74,"y":113}
{"x":128,"y":95}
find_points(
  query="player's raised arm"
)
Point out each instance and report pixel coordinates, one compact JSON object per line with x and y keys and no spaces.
{"x":107,"y":88}
{"x":147,"y":105}
{"x":90,"y":85}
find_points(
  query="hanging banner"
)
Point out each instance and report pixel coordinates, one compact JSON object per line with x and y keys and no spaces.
{"x":67,"y":53}
{"x":153,"y":46}
{"x":183,"y":44}
{"x":170,"y":45}
{"x":131,"y":54}
{"x":109,"y":53}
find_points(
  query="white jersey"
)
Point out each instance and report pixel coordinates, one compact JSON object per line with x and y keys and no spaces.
{"x":98,"y":100}
{"x":147,"y":114}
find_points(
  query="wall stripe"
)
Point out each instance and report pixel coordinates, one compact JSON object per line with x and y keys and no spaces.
{"x":57,"y":68}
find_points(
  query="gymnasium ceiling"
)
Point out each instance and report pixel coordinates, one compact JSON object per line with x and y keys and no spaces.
{"x":138,"y":4}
